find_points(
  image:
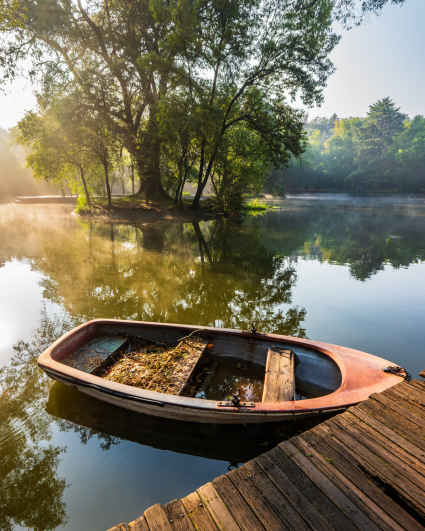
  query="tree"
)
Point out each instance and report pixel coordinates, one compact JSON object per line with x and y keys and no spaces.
{"x":409,"y":153}
{"x":387,"y":119}
{"x":256,"y":54}
{"x":56,"y":153}
{"x":65,"y":137}
{"x":126,"y":59}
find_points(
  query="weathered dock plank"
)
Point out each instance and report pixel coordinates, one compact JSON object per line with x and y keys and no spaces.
{"x":177,"y":516}
{"x":198,"y":513}
{"x":217,"y":508}
{"x":138,"y":525}
{"x":362,"y":469}
{"x":119,"y":527}
{"x":258,"y":498}
{"x":240,"y":510}
{"x":335,"y":452}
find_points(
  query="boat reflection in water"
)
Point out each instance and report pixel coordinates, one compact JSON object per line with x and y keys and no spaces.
{"x":232,"y":443}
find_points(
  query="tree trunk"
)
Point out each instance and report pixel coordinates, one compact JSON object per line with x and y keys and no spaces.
{"x":132,"y":177}
{"x":83,"y":180}
{"x":148,"y":160}
{"x":181,"y":191}
{"x":107,"y":185}
{"x":150,"y":177}
{"x":199,"y":191}
{"x":177,"y":194}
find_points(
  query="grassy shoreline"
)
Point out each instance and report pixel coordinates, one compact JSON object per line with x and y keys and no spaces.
{"x":132,"y":208}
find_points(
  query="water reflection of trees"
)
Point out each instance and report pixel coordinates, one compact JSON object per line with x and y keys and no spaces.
{"x":364,"y":238}
{"x":215,"y":272}
{"x":31,"y":491}
{"x":207,"y":273}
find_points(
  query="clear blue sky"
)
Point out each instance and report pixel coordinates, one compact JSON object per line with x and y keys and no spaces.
{"x":383,"y":57}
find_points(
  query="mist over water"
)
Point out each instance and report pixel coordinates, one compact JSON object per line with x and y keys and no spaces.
{"x":15,"y":177}
{"x":344,"y":270}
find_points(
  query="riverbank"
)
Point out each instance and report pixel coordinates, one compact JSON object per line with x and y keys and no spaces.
{"x":130,"y":208}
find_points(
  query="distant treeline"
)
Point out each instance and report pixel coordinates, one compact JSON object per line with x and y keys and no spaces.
{"x":382,"y":152}
{"x":15,"y":178}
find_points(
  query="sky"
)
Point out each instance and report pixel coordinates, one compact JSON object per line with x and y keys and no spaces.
{"x":383,"y":57}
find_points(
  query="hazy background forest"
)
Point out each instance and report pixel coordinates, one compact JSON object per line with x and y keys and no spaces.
{"x":383,"y":151}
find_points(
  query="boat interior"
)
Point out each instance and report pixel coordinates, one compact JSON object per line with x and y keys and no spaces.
{"x":203,"y":363}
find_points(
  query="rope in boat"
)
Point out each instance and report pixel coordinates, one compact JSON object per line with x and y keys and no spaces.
{"x":191,"y":334}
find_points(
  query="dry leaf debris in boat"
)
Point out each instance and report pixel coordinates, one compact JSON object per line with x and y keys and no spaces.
{"x":157,"y":369}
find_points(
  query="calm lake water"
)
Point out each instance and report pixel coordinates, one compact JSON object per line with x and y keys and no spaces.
{"x":333,"y":268}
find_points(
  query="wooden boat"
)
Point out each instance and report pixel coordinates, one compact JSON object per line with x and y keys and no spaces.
{"x":300,"y":377}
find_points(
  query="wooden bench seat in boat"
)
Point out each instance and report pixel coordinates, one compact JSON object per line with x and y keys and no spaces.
{"x":279,"y":380}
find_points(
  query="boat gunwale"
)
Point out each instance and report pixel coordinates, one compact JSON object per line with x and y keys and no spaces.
{"x":348,"y":392}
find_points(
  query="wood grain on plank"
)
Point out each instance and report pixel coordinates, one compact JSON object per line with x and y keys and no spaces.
{"x":379,"y":468}
{"x":198,"y":513}
{"x":177,"y":516}
{"x":217,"y":508}
{"x":292,"y":493}
{"x":398,"y":422}
{"x":138,"y":525}
{"x":240,"y":510}
{"x":337,"y":493}
{"x":409,"y":390}
{"x":275,"y":498}
{"x":403,"y":440}
{"x":157,"y":518}
{"x":322,"y":503}
{"x":400,"y":406}
{"x":380,"y":441}
{"x":325,"y":463}
{"x":392,"y":455}
{"x":256,"y":499}
{"x":333,"y":449}
{"x":409,"y":398}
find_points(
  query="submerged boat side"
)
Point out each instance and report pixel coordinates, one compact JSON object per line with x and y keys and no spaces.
{"x":360,"y":375}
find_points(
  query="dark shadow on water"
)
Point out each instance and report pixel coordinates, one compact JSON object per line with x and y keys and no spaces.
{"x":92,"y":418}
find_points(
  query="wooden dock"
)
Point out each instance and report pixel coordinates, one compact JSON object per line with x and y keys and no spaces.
{"x":362,"y":469}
